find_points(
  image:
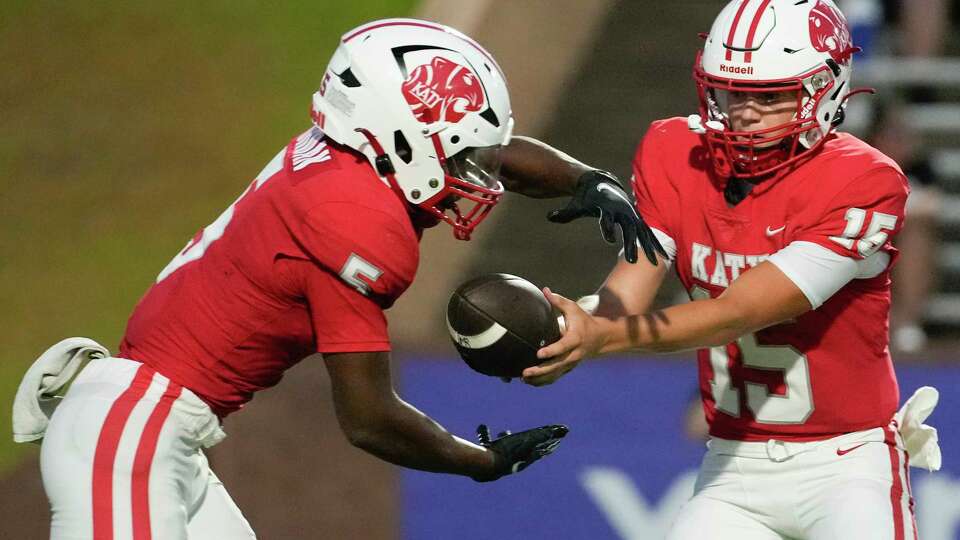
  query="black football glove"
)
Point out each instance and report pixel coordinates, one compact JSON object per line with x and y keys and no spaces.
{"x":599,"y":194}
{"x":514,"y":452}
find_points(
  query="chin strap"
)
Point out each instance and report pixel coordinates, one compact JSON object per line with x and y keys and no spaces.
{"x":695,"y":124}
{"x":382,"y":163}
{"x":841,"y":113}
{"x":855,"y":91}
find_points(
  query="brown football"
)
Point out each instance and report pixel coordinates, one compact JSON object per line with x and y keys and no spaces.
{"x":498,"y":321}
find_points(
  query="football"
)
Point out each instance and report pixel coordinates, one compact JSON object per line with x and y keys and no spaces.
{"x":498,"y":321}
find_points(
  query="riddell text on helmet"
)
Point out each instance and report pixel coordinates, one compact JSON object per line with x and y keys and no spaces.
{"x":739,"y":70}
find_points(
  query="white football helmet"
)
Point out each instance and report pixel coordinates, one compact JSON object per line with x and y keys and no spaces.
{"x":429,"y":109}
{"x":772,"y":46}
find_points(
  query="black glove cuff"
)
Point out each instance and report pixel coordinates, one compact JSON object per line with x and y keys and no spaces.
{"x":500,"y":468}
{"x":594,"y":177}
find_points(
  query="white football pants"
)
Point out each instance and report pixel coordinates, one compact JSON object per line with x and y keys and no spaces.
{"x":855,"y":486}
{"x":122,"y":459}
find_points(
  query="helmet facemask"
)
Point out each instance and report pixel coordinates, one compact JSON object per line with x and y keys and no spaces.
{"x":470,"y":176}
{"x":761,"y":152}
{"x":803,"y":48}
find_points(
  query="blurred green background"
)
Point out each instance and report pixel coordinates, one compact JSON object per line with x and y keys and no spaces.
{"x":123,"y":132}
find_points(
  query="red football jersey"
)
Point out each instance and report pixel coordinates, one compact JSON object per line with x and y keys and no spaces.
{"x":829,"y":371}
{"x":305,"y":261}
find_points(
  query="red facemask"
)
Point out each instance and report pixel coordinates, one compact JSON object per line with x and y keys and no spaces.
{"x":752,"y":154}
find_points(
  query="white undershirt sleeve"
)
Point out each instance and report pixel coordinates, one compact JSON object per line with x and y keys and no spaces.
{"x":819,"y":272}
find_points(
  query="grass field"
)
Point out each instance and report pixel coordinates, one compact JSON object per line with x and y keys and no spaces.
{"x":126,"y":127}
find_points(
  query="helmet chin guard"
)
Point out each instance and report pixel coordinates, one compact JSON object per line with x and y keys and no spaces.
{"x":773,"y":46}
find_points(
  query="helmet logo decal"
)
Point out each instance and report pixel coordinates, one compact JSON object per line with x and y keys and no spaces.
{"x":443,"y":90}
{"x":829,"y":32}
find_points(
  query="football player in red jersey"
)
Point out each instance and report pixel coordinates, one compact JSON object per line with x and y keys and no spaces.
{"x":780,"y":229}
{"x":409,"y":123}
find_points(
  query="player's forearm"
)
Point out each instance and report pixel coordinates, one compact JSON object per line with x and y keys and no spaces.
{"x":698,"y":324}
{"x":630,"y":289}
{"x":405,"y":436}
{"x":760,"y":298}
{"x":536,"y":169}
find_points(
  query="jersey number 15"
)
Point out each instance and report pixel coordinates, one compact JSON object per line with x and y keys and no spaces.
{"x":794,"y":406}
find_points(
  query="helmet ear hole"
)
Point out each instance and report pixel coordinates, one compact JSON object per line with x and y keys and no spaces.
{"x":838,"y":118}
{"x":402,"y":147}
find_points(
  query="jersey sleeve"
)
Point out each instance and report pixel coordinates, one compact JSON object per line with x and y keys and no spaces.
{"x":363,"y":259}
{"x":657,"y":198}
{"x":343,"y":320}
{"x":372,"y":251}
{"x":861,"y":218}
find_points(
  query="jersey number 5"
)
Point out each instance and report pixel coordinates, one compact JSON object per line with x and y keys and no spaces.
{"x":355,"y":267}
{"x":793,"y":407}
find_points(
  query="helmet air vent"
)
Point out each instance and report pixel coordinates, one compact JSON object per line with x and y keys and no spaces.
{"x":837,"y":91}
{"x":834,"y":67}
{"x":402,"y":147}
{"x":491,"y":117}
{"x":349,"y":79}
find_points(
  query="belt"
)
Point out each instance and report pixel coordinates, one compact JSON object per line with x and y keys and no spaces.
{"x":778,"y":451}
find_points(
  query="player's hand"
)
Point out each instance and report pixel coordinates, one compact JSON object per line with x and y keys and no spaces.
{"x":514,"y":452}
{"x":599,"y":194}
{"x":581,"y":338}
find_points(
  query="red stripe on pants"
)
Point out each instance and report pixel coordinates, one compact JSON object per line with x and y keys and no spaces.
{"x":106,"y":452}
{"x":140,"y":483}
{"x":896,"y":489}
{"x":906,"y":473}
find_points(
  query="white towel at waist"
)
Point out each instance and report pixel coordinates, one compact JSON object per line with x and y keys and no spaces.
{"x":45,"y":383}
{"x":919,"y":439}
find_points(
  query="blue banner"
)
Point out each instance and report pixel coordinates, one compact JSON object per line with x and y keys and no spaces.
{"x":629,"y":461}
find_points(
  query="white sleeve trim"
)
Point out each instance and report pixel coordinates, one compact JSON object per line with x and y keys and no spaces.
{"x":819,"y":272}
{"x":668,"y":245}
